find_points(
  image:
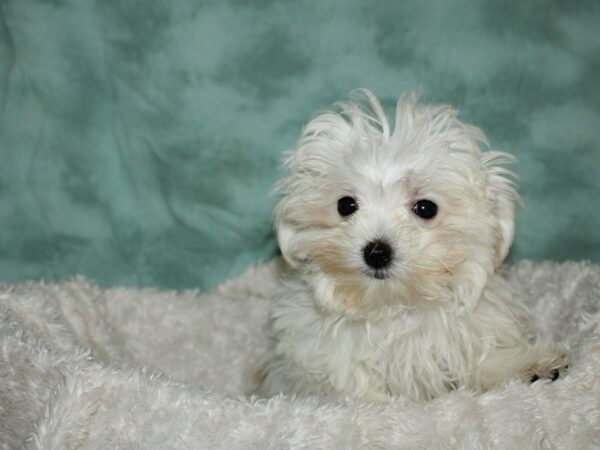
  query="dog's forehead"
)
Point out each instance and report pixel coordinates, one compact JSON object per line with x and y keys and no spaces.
{"x":440,"y":173}
{"x":387,"y":168}
{"x":385,"y":172}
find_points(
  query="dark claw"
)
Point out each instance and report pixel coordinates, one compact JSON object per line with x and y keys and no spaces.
{"x":534,"y":378}
{"x":554,"y":375}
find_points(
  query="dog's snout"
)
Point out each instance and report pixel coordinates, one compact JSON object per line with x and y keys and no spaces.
{"x":377,"y":254}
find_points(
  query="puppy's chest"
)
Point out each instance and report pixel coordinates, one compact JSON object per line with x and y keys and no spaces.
{"x":408,"y":354}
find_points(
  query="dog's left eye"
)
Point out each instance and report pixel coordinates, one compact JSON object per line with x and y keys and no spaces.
{"x":425,"y":209}
{"x":346,"y":206}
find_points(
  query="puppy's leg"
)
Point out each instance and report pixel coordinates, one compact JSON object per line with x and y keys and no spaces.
{"x":548,"y":362}
{"x":543,"y":359}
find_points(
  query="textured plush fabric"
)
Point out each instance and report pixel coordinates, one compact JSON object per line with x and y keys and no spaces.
{"x":82,"y":367}
{"x":139,"y":138}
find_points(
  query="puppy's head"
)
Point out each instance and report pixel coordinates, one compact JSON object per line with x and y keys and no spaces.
{"x":376,"y":216}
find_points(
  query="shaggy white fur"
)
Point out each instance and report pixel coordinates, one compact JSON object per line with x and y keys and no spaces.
{"x":395,"y":238}
{"x":86,"y":368}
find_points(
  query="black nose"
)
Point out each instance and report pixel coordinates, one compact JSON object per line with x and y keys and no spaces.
{"x":377,"y":254}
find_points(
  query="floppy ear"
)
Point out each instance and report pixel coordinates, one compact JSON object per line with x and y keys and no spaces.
{"x":505,"y":212}
{"x":288,"y":244}
{"x":504,"y":199}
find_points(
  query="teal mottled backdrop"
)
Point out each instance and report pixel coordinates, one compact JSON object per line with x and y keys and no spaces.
{"x":139,"y":139}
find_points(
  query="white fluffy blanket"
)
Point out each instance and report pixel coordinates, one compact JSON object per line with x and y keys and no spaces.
{"x":82,"y":367}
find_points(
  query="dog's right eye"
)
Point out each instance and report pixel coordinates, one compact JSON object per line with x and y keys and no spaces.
{"x":347,"y":206}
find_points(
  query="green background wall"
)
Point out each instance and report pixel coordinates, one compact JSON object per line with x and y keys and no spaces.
{"x":139,"y":139}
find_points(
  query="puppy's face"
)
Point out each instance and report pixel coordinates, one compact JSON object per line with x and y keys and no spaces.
{"x":377,"y":218}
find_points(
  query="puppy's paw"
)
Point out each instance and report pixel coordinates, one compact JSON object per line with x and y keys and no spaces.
{"x":550,"y":367}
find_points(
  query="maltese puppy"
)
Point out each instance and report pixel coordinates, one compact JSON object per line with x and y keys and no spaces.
{"x":394,"y":238}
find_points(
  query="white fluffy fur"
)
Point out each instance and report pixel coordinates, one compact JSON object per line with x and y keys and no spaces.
{"x":89,"y":368}
{"x":442,"y":318}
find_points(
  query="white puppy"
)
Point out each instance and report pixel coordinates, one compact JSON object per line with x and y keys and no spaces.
{"x":394,"y":239}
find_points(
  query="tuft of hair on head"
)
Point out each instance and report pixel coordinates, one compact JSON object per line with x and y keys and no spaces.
{"x":359,"y":118}
{"x":367,"y":110}
{"x":433,"y":124}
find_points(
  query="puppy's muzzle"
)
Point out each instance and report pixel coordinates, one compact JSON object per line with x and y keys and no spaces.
{"x":377,"y":254}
